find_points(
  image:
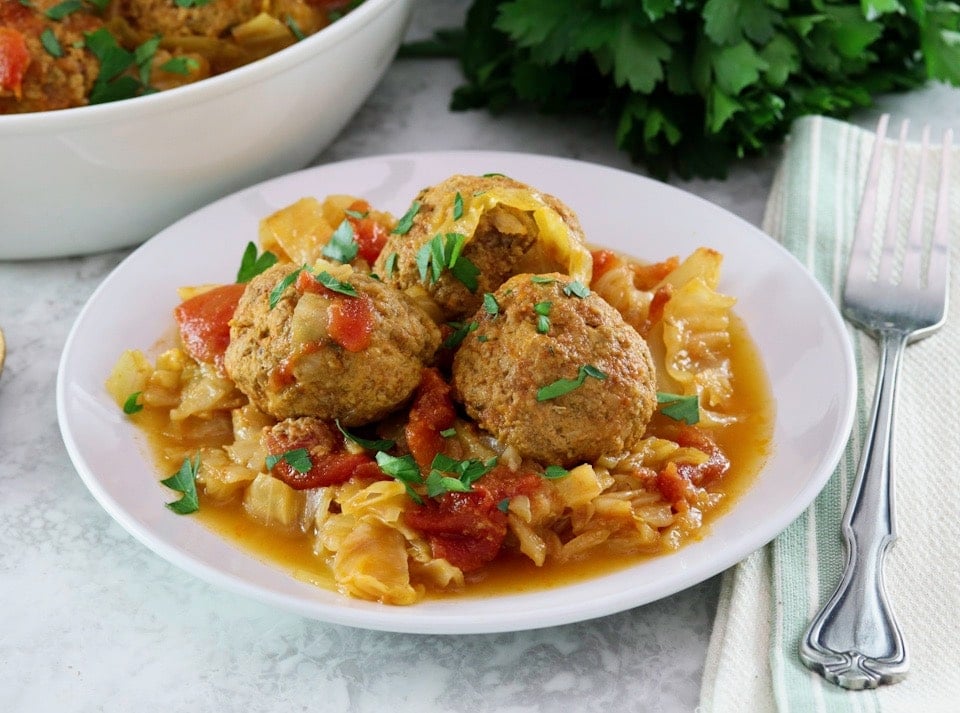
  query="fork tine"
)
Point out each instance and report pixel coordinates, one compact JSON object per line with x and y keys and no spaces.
{"x":891,"y":234}
{"x":913,"y":257}
{"x":861,"y":248}
{"x":940,"y":249}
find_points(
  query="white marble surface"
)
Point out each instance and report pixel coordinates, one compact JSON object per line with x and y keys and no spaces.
{"x":90,"y":620}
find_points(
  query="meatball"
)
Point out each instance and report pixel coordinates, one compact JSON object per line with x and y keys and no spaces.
{"x":300,"y":346}
{"x":32,"y":79}
{"x":554,"y":371}
{"x":507,"y":227}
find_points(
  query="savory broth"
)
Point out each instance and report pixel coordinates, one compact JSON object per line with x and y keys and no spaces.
{"x":747,"y":443}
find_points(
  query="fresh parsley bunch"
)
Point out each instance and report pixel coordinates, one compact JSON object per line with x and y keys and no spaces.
{"x":691,"y":86}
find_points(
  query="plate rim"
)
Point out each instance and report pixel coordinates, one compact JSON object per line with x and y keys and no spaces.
{"x":395,"y":619}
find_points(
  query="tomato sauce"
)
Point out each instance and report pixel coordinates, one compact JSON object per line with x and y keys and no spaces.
{"x":204,"y":322}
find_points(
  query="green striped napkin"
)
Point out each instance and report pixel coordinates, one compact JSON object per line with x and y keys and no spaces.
{"x":767,"y":601}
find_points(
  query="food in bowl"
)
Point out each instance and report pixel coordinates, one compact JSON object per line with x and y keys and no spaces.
{"x":58,"y":54}
{"x":591,"y":410}
{"x":155,"y":158}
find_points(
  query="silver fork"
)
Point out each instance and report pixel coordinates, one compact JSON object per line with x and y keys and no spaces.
{"x":898,"y":293}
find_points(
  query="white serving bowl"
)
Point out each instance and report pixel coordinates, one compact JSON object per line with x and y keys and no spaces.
{"x":95,"y":178}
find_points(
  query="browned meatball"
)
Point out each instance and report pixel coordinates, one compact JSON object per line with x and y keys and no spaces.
{"x":48,"y":82}
{"x":211,"y":19}
{"x":319,"y":352}
{"x":539,"y":337}
{"x":508,"y":227}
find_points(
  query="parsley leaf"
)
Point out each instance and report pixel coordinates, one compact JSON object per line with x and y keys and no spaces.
{"x":460,"y":332}
{"x":404,"y":469}
{"x":61,"y":10}
{"x":553,"y":472}
{"x":50,"y":43}
{"x":443,"y":252}
{"x":565,"y":386}
{"x":277,"y":292}
{"x":132,"y":405}
{"x":251,"y":265}
{"x":184,"y":481}
{"x":298,"y":459}
{"x":342,"y":245}
{"x":680,"y":408}
{"x":576,"y":289}
{"x":384,"y":444}
{"x":457,"y":206}
{"x":406,"y":222}
{"x":542,"y":310}
{"x":294,"y":27}
{"x":335,"y":285}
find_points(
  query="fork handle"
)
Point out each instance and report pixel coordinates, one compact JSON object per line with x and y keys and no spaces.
{"x":855,"y":641}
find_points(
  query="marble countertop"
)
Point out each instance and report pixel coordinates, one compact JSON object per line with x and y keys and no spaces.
{"x":91,"y":620}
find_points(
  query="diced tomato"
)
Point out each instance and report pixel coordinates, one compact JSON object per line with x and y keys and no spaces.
{"x":646,"y":277}
{"x":14,"y":60}
{"x":204,"y":322}
{"x":432,"y":412}
{"x":673,"y":487}
{"x":351,"y":322}
{"x":677,"y":480}
{"x":371,"y":236}
{"x":716,"y":465}
{"x":603,"y":260}
{"x":329,"y":469}
{"x":468,"y":529}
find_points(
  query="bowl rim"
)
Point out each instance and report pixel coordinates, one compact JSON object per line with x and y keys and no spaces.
{"x":204,"y":90}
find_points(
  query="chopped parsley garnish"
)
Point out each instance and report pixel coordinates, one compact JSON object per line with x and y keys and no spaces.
{"x":542,"y":279}
{"x":184,"y":481}
{"x":391,"y":264}
{"x":50,"y":43}
{"x":448,"y":432}
{"x":132,"y":405}
{"x":542,"y":310}
{"x":61,"y":10}
{"x":342,"y":245}
{"x":252,"y":265}
{"x":406,"y":222}
{"x":191,"y":3}
{"x":358,"y":215}
{"x":112,"y":82}
{"x":294,"y":28}
{"x":552,"y":472}
{"x":576,"y":289}
{"x":384,"y":444}
{"x":565,"y":386}
{"x":490,"y":304}
{"x":447,"y":475}
{"x":457,"y":206}
{"x":494,"y":175}
{"x":277,"y":292}
{"x":460,"y":331}
{"x":504,"y":505}
{"x":404,"y":469}
{"x":335,"y":285}
{"x":443,"y":252}
{"x":180,"y":65}
{"x":298,"y":459}
{"x":679,"y":407}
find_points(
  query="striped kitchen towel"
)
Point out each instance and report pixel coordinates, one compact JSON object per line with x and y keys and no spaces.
{"x":767,"y":601}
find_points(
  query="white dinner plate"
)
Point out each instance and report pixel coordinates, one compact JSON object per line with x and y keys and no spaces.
{"x":796,"y":327}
